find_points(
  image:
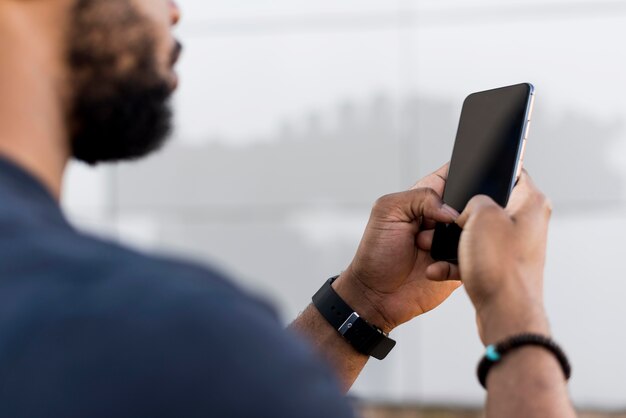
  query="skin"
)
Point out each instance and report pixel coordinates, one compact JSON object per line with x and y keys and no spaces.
{"x":386,"y":282}
{"x":34,"y":127}
{"x":505,"y":284}
{"x":392,"y":278}
{"x":32,"y":81}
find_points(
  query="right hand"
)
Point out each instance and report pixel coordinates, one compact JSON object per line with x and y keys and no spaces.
{"x":501,"y":261}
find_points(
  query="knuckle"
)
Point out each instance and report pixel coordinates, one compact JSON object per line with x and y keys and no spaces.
{"x":421,"y":195}
{"x":384,"y":201}
{"x":543,"y":202}
{"x":427,"y":192}
{"x":547,"y":206}
{"x":489,"y":211}
{"x":481,"y":202}
{"x":486,"y":210}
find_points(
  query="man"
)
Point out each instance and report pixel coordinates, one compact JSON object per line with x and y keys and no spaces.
{"x":91,"y":329}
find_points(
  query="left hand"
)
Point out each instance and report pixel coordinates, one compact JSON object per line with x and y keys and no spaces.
{"x":502,"y":254}
{"x":386,"y":282}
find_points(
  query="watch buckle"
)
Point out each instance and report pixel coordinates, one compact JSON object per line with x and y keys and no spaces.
{"x":349,"y":323}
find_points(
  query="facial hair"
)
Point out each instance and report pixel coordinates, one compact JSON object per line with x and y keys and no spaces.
{"x":119,"y":107}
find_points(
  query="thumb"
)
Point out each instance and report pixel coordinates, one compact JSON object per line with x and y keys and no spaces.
{"x":414,"y":205}
{"x":480,"y":204}
{"x":427,"y":203}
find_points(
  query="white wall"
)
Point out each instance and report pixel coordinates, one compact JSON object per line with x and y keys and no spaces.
{"x":294,"y":115}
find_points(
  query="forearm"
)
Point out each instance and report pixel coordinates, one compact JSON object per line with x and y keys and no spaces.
{"x":343,"y":358}
{"x":529,"y":381}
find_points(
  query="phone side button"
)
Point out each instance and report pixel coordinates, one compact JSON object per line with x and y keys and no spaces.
{"x":531,"y":107}
{"x":523,"y":151}
{"x":520,"y":166}
{"x":526,"y":135}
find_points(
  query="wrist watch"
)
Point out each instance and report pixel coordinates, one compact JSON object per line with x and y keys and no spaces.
{"x":364,"y":337}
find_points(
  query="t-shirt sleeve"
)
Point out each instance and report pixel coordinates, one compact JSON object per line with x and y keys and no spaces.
{"x":164,"y":348}
{"x":230,"y":357}
{"x":213,"y":354}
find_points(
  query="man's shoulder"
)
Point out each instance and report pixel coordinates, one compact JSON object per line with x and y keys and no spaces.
{"x":110,"y":321}
{"x":84,"y":259}
{"x":69,"y":272}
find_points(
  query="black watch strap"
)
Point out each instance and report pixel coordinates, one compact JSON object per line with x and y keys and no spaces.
{"x":364,"y":337}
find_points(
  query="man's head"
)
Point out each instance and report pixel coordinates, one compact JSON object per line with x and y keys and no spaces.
{"x":120,"y":58}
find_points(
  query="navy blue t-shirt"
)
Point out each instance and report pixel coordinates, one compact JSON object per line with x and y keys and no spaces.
{"x":91,"y":329}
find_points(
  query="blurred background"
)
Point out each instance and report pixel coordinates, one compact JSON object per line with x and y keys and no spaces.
{"x":293,"y":116}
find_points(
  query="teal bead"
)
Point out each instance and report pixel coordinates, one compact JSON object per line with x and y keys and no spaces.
{"x":492,"y":353}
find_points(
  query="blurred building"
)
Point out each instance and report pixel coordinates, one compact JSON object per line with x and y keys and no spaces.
{"x":295,"y":115}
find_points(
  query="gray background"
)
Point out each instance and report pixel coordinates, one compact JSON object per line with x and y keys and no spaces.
{"x":293,"y":116}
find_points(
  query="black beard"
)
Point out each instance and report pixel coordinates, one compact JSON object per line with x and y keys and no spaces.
{"x":120,"y":103}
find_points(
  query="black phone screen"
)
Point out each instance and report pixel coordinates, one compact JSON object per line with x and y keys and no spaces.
{"x":485,"y":157}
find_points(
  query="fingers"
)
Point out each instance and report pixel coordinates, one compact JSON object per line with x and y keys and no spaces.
{"x":427,"y":203}
{"x":443,"y":271}
{"x":428,"y":224}
{"x":425,"y":240}
{"x":479,"y":205}
{"x":414,"y":205}
{"x":442,"y":172}
{"x":524,"y":188}
{"x":528,"y":203}
{"x":435,"y":180}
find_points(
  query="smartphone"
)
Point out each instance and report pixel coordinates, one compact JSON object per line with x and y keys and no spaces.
{"x":488,"y":155}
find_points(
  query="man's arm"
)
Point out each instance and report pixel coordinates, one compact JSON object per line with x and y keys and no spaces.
{"x":386,"y":283}
{"x":501,"y":263}
{"x":529,"y":382}
{"x":346,"y":362}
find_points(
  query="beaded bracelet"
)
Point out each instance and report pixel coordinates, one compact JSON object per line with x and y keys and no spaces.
{"x":496,"y":352}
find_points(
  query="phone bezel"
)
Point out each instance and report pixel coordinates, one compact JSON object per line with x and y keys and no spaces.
{"x":521,"y":146}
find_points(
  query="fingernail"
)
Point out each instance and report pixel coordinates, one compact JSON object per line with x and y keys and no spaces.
{"x":451,"y":211}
